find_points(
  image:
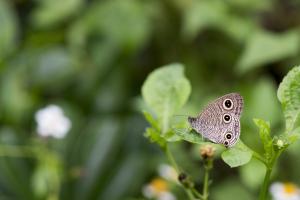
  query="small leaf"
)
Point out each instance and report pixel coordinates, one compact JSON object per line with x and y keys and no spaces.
{"x":153,"y":122}
{"x":238,"y":155}
{"x":155,"y":137}
{"x":190,"y":136}
{"x":264,"y":133}
{"x":171,"y":136}
{"x":166,"y":90}
{"x":265,"y":47}
{"x":289,"y":96}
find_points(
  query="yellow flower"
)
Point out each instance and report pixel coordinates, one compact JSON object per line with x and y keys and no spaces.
{"x":284,"y":191}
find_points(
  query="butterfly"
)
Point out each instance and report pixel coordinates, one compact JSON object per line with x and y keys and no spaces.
{"x":220,"y":120}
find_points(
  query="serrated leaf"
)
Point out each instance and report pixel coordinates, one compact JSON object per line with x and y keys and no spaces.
{"x":153,"y":122}
{"x":155,"y":137}
{"x":289,"y":96}
{"x":265,"y":47}
{"x":264,"y":133}
{"x":166,"y":90}
{"x":190,"y":136}
{"x":238,"y":155}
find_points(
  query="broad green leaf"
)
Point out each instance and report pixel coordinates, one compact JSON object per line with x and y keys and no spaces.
{"x":51,"y":12}
{"x":289,"y":96}
{"x":8,"y":30}
{"x":190,"y":136}
{"x":155,"y":137}
{"x":265,"y":47}
{"x":238,"y":155}
{"x":165,"y":91}
{"x":265,"y":136}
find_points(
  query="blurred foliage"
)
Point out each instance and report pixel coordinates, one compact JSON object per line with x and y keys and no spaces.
{"x":91,"y":58}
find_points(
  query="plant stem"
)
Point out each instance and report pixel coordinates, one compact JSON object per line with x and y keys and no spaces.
{"x":264,"y":190}
{"x":206,"y":184}
{"x":188,"y":191}
{"x":260,"y":158}
{"x":171,"y":158}
{"x":197,"y":194}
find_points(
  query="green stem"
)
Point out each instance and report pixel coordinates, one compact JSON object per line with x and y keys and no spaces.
{"x":260,"y":158}
{"x":197,"y":194}
{"x":264,"y":190}
{"x":205,"y":184}
{"x":171,"y":159}
{"x":188,"y":191}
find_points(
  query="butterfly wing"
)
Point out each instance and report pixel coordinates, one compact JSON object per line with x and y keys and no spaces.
{"x":220,"y":119}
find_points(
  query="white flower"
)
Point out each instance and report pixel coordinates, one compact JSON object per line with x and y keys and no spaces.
{"x":158,"y":189}
{"x":284,"y":191}
{"x":51,"y":121}
{"x":167,"y":172}
{"x":166,"y":196}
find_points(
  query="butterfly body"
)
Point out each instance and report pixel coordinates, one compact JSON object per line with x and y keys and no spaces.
{"x":220,"y":120}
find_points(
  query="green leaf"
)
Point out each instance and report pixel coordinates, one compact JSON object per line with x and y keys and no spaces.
{"x":190,"y":136}
{"x":155,"y":137}
{"x":153,"y":122}
{"x":203,"y":14}
{"x":131,"y":32}
{"x":289,"y":96}
{"x":8,"y":30}
{"x":264,"y":133}
{"x":166,"y":90}
{"x":238,"y":155}
{"x":171,"y":136}
{"x":51,"y":12}
{"x":265,"y":47}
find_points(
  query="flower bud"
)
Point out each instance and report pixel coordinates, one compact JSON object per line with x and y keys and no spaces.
{"x":207,"y":151}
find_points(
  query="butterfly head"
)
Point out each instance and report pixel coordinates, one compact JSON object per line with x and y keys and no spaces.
{"x":192,"y":121}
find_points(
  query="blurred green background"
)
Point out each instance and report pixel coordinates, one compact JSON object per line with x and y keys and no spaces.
{"x":91,"y":57}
